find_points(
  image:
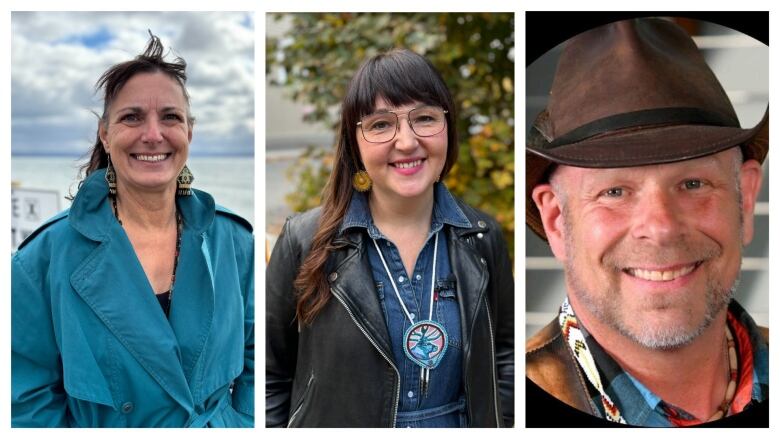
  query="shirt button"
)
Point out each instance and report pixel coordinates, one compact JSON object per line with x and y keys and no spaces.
{"x":480,"y":235}
{"x":418,"y":277}
{"x":410,"y":394}
{"x":389,"y":244}
{"x":483,"y":261}
{"x":411,"y":315}
{"x":127,"y":407}
{"x":481,"y":224}
{"x":400,"y":278}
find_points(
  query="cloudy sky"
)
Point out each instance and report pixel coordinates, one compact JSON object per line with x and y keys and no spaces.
{"x":56,"y":58}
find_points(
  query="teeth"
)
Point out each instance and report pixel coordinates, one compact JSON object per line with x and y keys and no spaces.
{"x":408,"y":164}
{"x":659,"y":276}
{"x":151,"y":158}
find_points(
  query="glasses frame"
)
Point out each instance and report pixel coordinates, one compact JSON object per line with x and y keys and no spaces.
{"x":398,"y":123}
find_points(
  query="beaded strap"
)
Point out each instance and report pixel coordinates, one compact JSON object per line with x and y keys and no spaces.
{"x":576,"y":341}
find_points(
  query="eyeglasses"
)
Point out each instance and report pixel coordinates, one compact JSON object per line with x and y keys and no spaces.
{"x":382,"y":127}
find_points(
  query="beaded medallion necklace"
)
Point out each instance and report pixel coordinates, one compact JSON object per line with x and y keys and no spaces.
{"x":425,"y":342}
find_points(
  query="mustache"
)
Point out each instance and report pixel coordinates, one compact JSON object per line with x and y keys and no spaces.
{"x":626,"y":255}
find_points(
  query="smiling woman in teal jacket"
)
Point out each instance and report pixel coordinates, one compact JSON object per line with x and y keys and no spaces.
{"x":134,"y":308}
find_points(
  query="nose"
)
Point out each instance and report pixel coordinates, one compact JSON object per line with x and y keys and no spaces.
{"x":405,"y":138}
{"x":658,"y":217}
{"x":152,"y":131}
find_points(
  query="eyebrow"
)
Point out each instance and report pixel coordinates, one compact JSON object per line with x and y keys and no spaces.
{"x":130,"y":109}
{"x":171,"y":108}
{"x":381,"y":110}
{"x":136,"y":109}
{"x":396,"y":110}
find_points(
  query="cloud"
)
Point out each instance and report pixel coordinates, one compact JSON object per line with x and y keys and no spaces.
{"x":56,"y":58}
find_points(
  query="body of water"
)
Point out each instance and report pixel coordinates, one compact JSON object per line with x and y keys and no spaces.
{"x":277,"y":186}
{"x":230,"y":180}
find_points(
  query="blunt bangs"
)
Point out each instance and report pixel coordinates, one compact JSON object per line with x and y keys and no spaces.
{"x":399,"y":77}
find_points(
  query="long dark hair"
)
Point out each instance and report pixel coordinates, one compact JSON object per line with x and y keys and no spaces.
{"x":111,"y":82}
{"x":399,"y":77}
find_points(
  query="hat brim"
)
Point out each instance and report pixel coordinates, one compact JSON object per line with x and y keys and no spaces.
{"x":639,"y":146}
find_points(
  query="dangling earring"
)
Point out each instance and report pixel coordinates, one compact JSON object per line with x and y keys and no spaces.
{"x":184,"y":182}
{"x":361,"y":181}
{"x":111,"y":177}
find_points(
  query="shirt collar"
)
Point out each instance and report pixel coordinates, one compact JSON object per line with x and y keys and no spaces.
{"x":445,"y":211}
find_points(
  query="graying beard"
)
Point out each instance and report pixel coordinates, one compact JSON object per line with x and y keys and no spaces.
{"x":673,"y":339}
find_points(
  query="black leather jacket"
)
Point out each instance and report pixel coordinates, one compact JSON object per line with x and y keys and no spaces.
{"x":339,"y":371}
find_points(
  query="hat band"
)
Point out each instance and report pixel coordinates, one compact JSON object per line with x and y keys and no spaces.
{"x":656,"y":116}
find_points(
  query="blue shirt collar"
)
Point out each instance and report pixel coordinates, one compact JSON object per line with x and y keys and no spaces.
{"x":445,"y":211}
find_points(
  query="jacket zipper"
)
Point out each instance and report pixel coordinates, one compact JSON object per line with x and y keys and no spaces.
{"x":303,"y":400}
{"x":371,"y":340}
{"x":493,"y":362}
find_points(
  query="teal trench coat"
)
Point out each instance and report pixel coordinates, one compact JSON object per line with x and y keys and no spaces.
{"x":91,"y":346}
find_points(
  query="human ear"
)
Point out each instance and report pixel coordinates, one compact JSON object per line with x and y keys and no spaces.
{"x":103,"y":134}
{"x":551,"y":210}
{"x":750,"y":179}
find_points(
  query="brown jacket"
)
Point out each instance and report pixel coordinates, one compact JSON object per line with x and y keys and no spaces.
{"x":551,"y":365}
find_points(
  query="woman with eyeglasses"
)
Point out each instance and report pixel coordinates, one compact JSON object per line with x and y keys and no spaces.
{"x":391,"y":305}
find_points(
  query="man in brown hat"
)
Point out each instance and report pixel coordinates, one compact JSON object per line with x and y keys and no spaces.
{"x":644,"y":185}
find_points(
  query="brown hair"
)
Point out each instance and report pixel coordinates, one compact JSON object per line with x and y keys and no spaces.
{"x":399,"y":77}
{"x":111,"y":82}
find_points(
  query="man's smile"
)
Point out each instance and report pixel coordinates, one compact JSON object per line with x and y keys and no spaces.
{"x":664,"y":275}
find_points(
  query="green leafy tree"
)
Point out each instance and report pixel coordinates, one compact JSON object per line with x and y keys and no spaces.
{"x":474,"y":53}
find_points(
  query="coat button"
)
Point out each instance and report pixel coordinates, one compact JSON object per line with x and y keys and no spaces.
{"x":481,"y":224}
{"x":127,"y":407}
{"x":483,"y":261}
{"x":480,"y":235}
{"x":333,"y":276}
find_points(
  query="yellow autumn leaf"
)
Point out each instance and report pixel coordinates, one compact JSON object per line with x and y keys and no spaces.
{"x":501,"y":179}
{"x":507,"y":84}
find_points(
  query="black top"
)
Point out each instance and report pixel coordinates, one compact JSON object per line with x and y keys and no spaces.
{"x":165,"y":301}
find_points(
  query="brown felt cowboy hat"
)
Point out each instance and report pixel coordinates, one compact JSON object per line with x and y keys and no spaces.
{"x":631,"y":93}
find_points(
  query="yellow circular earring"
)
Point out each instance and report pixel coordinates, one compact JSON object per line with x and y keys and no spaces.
{"x":361,"y":181}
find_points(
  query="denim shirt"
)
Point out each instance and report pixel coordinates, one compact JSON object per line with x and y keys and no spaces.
{"x":446,"y":380}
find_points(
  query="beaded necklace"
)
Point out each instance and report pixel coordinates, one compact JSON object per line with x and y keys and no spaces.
{"x":167,"y":309}
{"x":576,"y":341}
{"x":731,"y":388}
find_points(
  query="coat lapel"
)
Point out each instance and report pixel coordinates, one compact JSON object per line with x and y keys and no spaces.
{"x":112,"y":282}
{"x":471,"y":281}
{"x":355,"y":285}
{"x":192,"y":308}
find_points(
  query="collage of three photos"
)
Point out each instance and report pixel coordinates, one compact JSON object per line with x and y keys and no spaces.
{"x":390,"y":270}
